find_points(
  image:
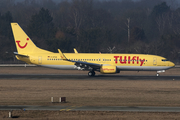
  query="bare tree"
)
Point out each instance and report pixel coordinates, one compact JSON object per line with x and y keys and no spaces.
{"x":111,"y":49}
{"x":161,"y":22}
{"x":128,"y":26}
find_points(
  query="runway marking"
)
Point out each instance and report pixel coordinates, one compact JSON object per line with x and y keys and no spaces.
{"x":70,"y":108}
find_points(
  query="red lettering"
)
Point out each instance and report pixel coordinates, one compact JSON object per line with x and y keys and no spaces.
{"x":137,"y":59}
{"x":116,"y":57}
{"x":142,"y":61}
{"x":129,"y":59}
{"x":133,"y":59}
{"x":121,"y":61}
{"x":106,"y":69}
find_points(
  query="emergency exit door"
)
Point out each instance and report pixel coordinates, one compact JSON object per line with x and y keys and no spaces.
{"x":154,"y":61}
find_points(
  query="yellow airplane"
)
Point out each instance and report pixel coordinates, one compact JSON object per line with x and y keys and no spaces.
{"x":28,"y":52}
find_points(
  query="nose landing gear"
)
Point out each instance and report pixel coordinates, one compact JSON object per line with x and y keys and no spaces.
{"x":161,"y":71}
{"x":157,"y":74}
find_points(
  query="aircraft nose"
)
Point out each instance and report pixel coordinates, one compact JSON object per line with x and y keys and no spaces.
{"x":172,"y":64}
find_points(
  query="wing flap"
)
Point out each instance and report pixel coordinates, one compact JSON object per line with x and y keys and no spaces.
{"x":92,"y":65}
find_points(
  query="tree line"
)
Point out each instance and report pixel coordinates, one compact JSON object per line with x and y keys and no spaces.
{"x":124,"y":26}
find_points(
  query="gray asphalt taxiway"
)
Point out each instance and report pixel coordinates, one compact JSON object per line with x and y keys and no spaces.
{"x":93,"y":108}
{"x":78,"y":77}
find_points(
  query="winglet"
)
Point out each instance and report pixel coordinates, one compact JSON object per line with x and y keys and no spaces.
{"x":75,"y":51}
{"x":62,"y":55}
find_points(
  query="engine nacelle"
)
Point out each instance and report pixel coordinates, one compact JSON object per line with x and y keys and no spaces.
{"x":108,"y":69}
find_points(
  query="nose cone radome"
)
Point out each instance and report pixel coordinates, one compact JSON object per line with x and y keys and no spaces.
{"x":171,"y":64}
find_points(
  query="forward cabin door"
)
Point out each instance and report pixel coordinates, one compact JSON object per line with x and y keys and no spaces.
{"x":154,"y":61}
{"x":40,"y":60}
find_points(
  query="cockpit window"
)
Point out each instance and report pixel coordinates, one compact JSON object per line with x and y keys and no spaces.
{"x":164,"y":60}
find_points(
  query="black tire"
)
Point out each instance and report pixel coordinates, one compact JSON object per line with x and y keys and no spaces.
{"x":91,"y":73}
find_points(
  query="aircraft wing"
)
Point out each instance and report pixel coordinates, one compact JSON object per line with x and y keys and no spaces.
{"x":86,"y":64}
{"x":80,"y":63}
{"x":16,"y":53}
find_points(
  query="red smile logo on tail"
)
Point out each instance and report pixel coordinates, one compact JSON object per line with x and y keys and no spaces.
{"x":18,"y":42}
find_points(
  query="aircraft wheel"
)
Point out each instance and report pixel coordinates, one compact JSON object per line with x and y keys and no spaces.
{"x":91,"y":73}
{"x":157,"y":74}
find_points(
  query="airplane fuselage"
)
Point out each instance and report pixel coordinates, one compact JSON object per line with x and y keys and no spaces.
{"x":123,"y":62}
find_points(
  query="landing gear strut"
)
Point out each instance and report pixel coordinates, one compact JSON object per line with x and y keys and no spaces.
{"x":157,"y":74}
{"x":91,"y":73}
{"x":160,"y":71}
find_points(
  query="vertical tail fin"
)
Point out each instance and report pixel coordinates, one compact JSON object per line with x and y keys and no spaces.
{"x":23,"y":43}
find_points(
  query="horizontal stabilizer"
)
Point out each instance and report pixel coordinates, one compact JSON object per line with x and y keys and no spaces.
{"x":16,"y":53}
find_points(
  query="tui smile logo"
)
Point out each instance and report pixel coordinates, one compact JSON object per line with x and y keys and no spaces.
{"x":18,"y":42}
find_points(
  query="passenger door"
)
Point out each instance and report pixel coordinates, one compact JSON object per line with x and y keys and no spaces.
{"x":40,"y":60}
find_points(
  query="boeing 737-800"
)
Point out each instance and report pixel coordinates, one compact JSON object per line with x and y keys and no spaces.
{"x":28,"y":52}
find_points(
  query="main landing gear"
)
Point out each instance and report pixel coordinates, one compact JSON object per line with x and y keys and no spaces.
{"x":91,"y":73}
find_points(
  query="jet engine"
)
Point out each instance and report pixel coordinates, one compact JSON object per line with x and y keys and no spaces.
{"x":108,"y":69}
